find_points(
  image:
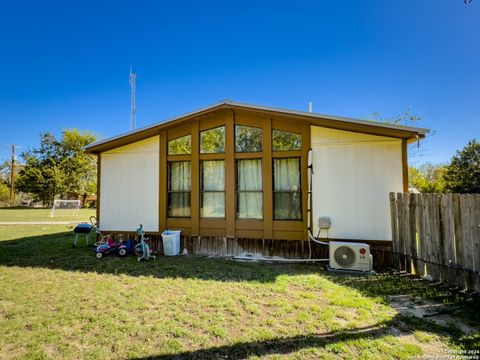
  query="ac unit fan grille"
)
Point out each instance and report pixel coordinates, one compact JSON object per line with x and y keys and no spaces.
{"x":344,"y":256}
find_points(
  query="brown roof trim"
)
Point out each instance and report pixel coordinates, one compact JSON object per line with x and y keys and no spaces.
{"x":334,"y":122}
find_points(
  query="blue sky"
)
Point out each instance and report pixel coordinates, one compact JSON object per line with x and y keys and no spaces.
{"x":65,"y":64}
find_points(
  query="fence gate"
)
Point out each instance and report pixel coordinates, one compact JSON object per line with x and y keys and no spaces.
{"x":438,"y":235}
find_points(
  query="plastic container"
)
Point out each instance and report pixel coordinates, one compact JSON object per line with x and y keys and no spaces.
{"x":171,"y":242}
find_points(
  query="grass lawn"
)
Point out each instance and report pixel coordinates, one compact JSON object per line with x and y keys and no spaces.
{"x":60,"y":302}
{"x":28,"y":214}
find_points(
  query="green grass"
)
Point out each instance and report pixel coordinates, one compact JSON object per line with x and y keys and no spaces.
{"x":27,"y":214}
{"x":60,"y":302}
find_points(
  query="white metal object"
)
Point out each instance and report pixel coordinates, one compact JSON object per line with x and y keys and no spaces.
{"x":350,"y":256}
{"x":73,"y":207}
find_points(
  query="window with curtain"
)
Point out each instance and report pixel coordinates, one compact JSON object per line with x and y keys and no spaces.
{"x":212,"y":141}
{"x":212,"y":184}
{"x":248,"y":139}
{"x":249,"y":189}
{"x":180,"y":146}
{"x":287,"y":189}
{"x":284,"y":140}
{"x":179,"y":186}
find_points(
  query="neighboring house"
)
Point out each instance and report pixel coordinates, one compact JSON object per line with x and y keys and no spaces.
{"x":237,"y":171}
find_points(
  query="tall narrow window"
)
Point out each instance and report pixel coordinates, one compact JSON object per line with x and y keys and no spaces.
{"x":249,"y":189}
{"x":179,"y":186}
{"x":212,"y":141}
{"x":248,"y":139}
{"x":180,"y":146}
{"x":286,"y":189}
{"x":213,"y":189}
{"x":284,"y":140}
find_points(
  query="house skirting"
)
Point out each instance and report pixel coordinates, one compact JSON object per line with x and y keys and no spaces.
{"x":289,"y":249}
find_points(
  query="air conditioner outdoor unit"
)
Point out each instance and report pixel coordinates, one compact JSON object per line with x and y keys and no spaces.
{"x":350,"y":256}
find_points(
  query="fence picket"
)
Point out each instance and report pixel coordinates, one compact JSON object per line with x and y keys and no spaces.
{"x":401,"y":233}
{"x":406,"y":231}
{"x":421,"y":233}
{"x":436,"y":245}
{"x":394,"y":226}
{"x":476,"y":239}
{"x":412,"y":231}
{"x":457,"y":213}
{"x":448,"y":237}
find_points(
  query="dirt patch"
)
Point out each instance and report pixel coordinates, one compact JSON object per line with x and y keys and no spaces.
{"x":429,"y":310}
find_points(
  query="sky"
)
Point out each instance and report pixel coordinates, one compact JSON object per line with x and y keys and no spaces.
{"x":66,"y":64}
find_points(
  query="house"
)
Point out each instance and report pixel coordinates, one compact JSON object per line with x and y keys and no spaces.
{"x":235,"y":175}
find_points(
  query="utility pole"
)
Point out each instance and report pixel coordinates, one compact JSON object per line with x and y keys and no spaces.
{"x":12,"y":170}
{"x":133,"y":104}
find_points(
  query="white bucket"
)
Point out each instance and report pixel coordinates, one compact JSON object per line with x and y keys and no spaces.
{"x":171,"y":242}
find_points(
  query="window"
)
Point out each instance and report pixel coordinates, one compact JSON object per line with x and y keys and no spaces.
{"x":248,"y":139}
{"x":249,"y":189}
{"x":287,"y":194}
{"x":180,"y":146}
{"x":212,"y":141}
{"x":284,"y":140}
{"x":179,"y":186}
{"x":212,"y":184}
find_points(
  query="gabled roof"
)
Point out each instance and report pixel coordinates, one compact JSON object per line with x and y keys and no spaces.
{"x":329,"y":121}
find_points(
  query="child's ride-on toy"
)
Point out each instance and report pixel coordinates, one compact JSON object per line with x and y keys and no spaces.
{"x":110,"y":247}
{"x":142,"y":250}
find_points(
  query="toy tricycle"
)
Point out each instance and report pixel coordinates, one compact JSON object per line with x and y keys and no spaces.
{"x":110,"y":247}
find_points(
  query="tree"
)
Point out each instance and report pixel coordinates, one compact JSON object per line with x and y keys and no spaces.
{"x":4,"y":191}
{"x":427,"y":178}
{"x":463,"y":173}
{"x":58,"y":168}
{"x":405,"y":119}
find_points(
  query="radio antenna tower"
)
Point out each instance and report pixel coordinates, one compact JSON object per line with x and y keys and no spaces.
{"x":133,"y":105}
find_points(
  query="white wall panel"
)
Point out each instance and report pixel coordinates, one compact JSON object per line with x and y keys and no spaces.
{"x":129,"y":187}
{"x":353,"y":174}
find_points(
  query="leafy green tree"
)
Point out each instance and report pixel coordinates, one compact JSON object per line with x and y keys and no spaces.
{"x":180,"y":146}
{"x":463,"y":173}
{"x":4,"y":192}
{"x":212,"y":141}
{"x":427,"y":178}
{"x":58,"y":168}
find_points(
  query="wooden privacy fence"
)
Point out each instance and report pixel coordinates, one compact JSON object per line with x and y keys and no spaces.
{"x":438,"y":235}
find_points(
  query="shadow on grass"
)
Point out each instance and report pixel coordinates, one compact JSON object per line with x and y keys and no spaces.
{"x":54,"y":251}
{"x":279,"y":346}
{"x":398,"y":326}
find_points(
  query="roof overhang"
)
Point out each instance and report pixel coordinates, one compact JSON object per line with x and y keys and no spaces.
{"x":334,"y":122}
